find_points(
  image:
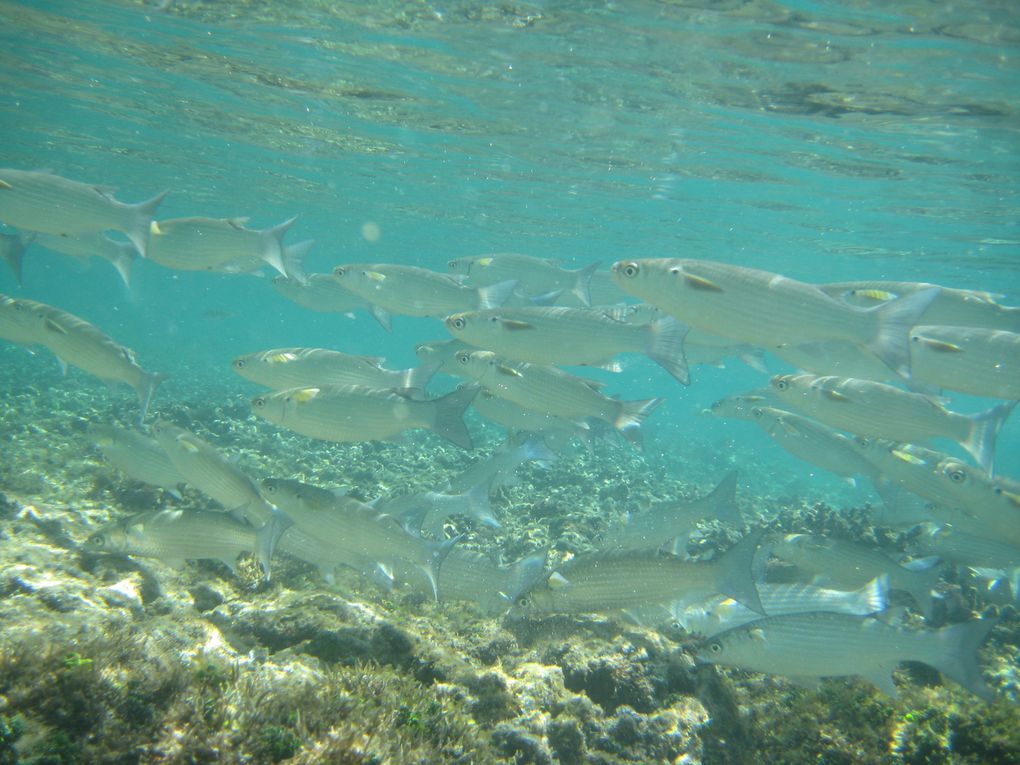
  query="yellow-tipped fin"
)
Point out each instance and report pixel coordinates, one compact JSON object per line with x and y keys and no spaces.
{"x":375,"y":276}
{"x":305,"y":395}
{"x":701,"y":283}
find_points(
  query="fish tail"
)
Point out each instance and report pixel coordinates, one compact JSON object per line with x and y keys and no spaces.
{"x":666,"y":347}
{"x":535,"y":449}
{"x":872,"y":598}
{"x":273,"y":249}
{"x":137,"y":229}
{"x":146,"y":388}
{"x":123,"y":261}
{"x":955,"y":654}
{"x":437,"y":554}
{"x":294,"y":259}
{"x":449,"y":416}
{"x":267,"y":537}
{"x":723,"y":500}
{"x":15,"y":254}
{"x":891,"y":341}
{"x":418,"y":377}
{"x":984,"y":429}
{"x":631,"y":415}
{"x":735,"y":572}
{"x":495,"y":295}
{"x":582,"y":284}
{"x":478,"y":505}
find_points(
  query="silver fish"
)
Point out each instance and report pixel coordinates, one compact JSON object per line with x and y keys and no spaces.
{"x":18,"y":322}
{"x":137,"y":456}
{"x":615,"y":581}
{"x":981,"y":362}
{"x":331,"y":530}
{"x":323,"y":293}
{"x":174,"y":536}
{"x":810,"y":646}
{"x":205,"y":468}
{"x":556,"y":432}
{"x":119,"y":254}
{"x":351,"y":413}
{"x":769,"y":310}
{"x":50,"y":204}
{"x":552,"y":391}
{"x":534,"y":276}
{"x":951,"y":307}
{"x":878,"y":410}
{"x":670,"y":520}
{"x":216,"y":244}
{"x":963,"y":549}
{"x":804,"y":438}
{"x":720,"y":614}
{"x":284,"y":368}
{"x":576,"y":336}
{"x":413,"y":291}
{"x":77,"y":343}
{"x":848,"y":565}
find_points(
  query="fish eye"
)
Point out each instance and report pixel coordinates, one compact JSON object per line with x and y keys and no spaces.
{"x":957,"y":476}
{"x":269,"y":488}
{"x":96,"y":540}
{"x":463,"y":357}
{"x":676,"y":270}
{"x":675,"y":626}
{"x":258,"y":403}
{"x":239,"y":363}
{"x":757,"y":411}
{"x":715,"y":647}
{"x":458,"y":322}
{"x":524,"y":601}
{"x":782,"y":384}
{"x":630,"y":269}
{"x":339,"y":271}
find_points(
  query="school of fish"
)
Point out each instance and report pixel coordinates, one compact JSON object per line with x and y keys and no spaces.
{"x":869,"y":367}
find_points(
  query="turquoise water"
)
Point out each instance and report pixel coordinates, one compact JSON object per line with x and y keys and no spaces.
{"x":822,"y":141}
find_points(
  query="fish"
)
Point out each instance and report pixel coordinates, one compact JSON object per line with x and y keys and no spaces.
{"x":223,"y":244}
{"x":556,"y":432}
{"x":442,"y":352}
{"x":352,"y":413}
{"x":12,"y":252}
{"x":550,"y":390}
{"x":572,"y":336}
{"x":175,"y":536}
{"x":18,"y":322}
{"x":842,"y":358}
{"x":500,"y":469}
{"x":769,"y":310}
{"x":990,"y":505}
{"x":720,"y":614}
{"x":330,"y":530}
{"x":119,"y":254}
{"x":963,"y":549}
{"x":323,"y":293}
{"x":951,"y":307}
{"x":428,"y":511}
{"x":805,"y":647}
{"x":413,"y":291}
{"x":77,"y":343}
{"x":473,"y":576}
{"x":804,"y":438}
{"x":283,"y":368}
{"x":50,"y":204}
{"x":137,"y":456}
{"x":618,"y":580}
{"x":205,"y":468}
{"x":659,"y":525}
{"x":974,"y":360}
{"x":534,"y":276}
{"x":848,"y":565}
{"x":878,"y":410}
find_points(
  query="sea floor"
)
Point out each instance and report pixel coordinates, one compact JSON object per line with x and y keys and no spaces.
{"x":113,"y":660}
